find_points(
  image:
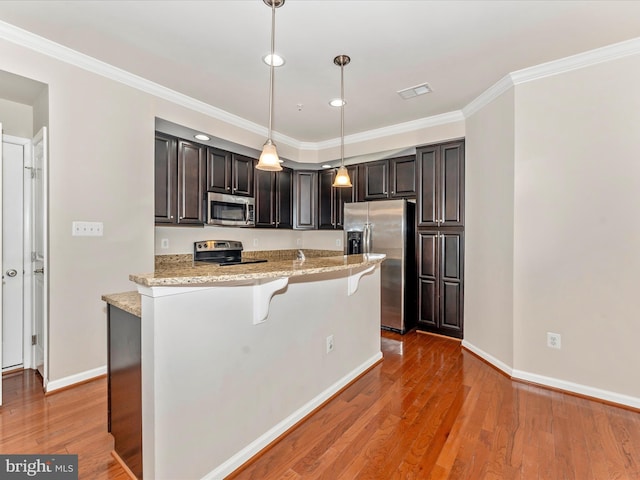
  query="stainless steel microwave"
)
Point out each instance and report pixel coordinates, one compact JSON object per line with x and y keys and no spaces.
{"x":230,"y":210}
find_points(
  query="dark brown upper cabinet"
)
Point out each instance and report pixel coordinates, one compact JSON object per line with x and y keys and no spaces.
{"x":166,"y":183}
{"x":390,"y":178}
{"x":229,"y":173}
{"x":273,"y":198}
{"x":331,"y":199}
{"x":179,"y":181}
{"x":440,"y":195}
{"x":305,"y":204}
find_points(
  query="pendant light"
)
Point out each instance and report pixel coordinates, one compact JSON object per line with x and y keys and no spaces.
{"x":269,"y":157}
{"x":342,"y":176}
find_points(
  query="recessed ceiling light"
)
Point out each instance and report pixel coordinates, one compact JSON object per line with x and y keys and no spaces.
{"x":202,"y":136}
{"x":414,"y":91}
{"x":278,"y":61}
{"x":337,"y":102}
{"x":326,"y":166}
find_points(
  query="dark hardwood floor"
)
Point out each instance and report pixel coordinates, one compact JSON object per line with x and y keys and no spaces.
{"x":429,"y":410}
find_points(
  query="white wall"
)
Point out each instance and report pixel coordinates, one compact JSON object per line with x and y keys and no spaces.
{"x":16,"y":119}
{"x":553,"y":194}
{"x":577,"y":229}
{"x":489,"y":155}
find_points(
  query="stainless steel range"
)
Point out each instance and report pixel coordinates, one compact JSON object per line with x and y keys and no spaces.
{"x":221,"y":252}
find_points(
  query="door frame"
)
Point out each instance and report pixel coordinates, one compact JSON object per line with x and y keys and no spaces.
{"x":27,"y":349}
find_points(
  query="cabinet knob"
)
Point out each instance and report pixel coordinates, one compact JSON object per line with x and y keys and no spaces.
{"x":228,"y":188}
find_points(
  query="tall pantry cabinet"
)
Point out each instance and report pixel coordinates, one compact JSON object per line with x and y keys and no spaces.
{"x":440,"y":237}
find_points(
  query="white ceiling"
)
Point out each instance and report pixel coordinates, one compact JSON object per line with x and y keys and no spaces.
{"x":211,"y":50}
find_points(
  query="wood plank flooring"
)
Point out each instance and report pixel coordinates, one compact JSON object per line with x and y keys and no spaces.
{"x":430,"y":410}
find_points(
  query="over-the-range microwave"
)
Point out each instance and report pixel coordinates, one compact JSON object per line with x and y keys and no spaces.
{"x":230,"y":210}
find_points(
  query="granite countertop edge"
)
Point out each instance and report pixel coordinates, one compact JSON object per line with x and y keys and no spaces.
{"x":128,"y":301}
{"x":188,"y":274}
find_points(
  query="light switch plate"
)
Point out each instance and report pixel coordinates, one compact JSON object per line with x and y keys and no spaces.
{"x":87,"y":229}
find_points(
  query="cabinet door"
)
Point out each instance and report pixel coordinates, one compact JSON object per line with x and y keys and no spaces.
{"x":218,"y":171}
{"x":427,"y":159}
{"x":440,"y":274}
{"x":451,"y":194}
{"x":242,"y":175}
{"x":191,"y":182}
{"x":305,"y":188}
{"x":375,"y":179}
{"x":441,"y":185}
{"x":428,"y":279}
{"x":166,"y":170}
{"x":402,"y":177}
{"x":284,"y":197}
{"x":450,"y":283}
{"x":264,"y":198}
{"x":326,"y":200}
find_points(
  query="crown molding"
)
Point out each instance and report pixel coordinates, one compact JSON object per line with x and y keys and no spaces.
{"x":578,"y":61}
{"x":54,"y":50}
{"x":59,"y":52}
{"x":488,"y":96}
{"x":555,"y":67}
{"x":400,"y":128}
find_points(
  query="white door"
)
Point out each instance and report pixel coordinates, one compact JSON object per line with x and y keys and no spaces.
{"x":0,"y":288}
{"x":39,"y":265}
{"x":13,"y":152}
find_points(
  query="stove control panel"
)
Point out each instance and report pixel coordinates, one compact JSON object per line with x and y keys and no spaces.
{"x":213,"y":245}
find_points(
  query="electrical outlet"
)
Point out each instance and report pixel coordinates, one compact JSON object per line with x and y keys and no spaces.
{"x":255,"y":242}
{"x":338,"y":242}
{"x":164,"y":243}
{"x":554,"y":340}
{"x":87,"y":229}
{"x":330,"y":343}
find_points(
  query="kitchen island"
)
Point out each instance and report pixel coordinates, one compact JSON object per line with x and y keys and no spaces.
{"x":234,"y":356}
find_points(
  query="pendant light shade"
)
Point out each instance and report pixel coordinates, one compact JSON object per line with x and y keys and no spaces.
{"x":269,"y":157}
{"x":342,"y":176}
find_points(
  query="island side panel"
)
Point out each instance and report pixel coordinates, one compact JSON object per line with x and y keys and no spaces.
{"x":220,"y":383}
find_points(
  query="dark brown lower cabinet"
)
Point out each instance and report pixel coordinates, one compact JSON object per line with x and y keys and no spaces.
{"x":440,"y":281}
{"x":125,"y":386}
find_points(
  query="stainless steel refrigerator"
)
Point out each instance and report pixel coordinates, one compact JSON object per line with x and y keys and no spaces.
{"x":387,"y":226}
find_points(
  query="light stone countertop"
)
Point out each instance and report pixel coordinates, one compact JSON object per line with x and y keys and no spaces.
{"x":127,"y":301}
{"x":188,"y":273}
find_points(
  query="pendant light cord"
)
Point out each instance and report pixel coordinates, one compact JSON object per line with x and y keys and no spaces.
{"x":342,"y":114}
{"x":273,"y":34}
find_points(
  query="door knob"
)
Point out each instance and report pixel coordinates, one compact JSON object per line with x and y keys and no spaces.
{"x":11,"y":273}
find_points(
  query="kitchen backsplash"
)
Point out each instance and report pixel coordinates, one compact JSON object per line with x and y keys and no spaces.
{"x":179,"y":240}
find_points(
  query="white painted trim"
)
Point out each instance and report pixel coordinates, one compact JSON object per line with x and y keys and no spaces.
{"x":39,"y":44}
{"x":488,"y":96}
{"x":555,"y":67}
{"x":54,"y":385}
{"x":586,"y":390}
{"x":499,"y":364}
{"x":42,"y":45}
{"x":272,"y":434}
{"x":556,"y":383}
{"x":575,"y":62}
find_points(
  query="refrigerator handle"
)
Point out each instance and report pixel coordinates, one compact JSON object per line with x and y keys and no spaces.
{"x":367,"y":238}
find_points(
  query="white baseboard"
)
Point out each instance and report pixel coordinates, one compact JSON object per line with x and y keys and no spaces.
{"x":556,"y":383}
{"x":54,"y":385}
{"x":276,"y":431}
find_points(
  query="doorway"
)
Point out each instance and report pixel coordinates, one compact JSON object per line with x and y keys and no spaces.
{"x":17,"y":352}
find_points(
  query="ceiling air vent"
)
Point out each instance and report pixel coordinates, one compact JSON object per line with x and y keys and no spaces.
{"x":414,"y":91}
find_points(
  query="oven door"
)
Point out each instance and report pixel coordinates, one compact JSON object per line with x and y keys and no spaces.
{"x":230,"y":210}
